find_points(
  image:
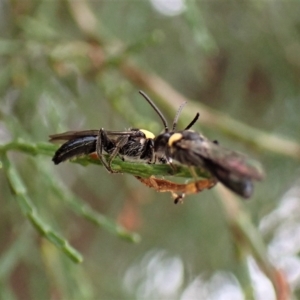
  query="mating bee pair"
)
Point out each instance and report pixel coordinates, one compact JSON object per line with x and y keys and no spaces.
{"x":185,"y":147}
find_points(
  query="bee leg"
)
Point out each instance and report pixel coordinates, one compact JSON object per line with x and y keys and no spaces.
{"x":178,"y":198}
{"x":102,"y":138}
{"x":119,"y":144}
{"x":103,"y":142}
{"x":173,"y":167}
{"x":154,"y":159}
{"x":148,"y":153}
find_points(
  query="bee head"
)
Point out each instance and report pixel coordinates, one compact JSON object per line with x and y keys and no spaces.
{"x":161,"y":142}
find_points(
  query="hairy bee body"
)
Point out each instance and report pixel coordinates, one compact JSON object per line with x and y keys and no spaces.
{"x":233,"y":169}
{"x":131,"y":145}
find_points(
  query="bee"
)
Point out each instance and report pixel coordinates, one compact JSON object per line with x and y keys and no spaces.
{"x":235,"y":170}
{"x":135,"y":145}
{"x":132,"y":145}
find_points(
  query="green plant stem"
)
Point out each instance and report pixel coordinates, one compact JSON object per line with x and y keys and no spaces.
{"x":29,"y":148}
{"x":242,"y":272}
{"x":80,"y":208}
{"x":136,"y":169}
{"x":30,"y":211}
{"x":85,"y":211}
{"x":248,"y":240}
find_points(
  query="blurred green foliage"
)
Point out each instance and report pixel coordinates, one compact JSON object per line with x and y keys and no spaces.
{"x":63,"y":68}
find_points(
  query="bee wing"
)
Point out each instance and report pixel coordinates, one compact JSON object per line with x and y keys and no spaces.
{"x":70,"y":135}
{"x":229,"y":160}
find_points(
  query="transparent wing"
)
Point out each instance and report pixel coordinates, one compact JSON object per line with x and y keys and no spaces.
{"x":229,"y":160}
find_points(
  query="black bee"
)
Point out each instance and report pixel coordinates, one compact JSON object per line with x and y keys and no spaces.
{"x":132,"y":145}
{"x":136,"y":145}
{"x":233,"y":169}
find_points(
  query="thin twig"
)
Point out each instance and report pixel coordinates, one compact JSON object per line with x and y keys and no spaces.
{"x":248,"y":239}
{"x":19,"y":190}
{"x":136,"y":169}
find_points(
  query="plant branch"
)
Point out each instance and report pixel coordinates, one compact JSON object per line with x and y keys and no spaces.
{"x":248,"y":239}
{"x":82,"y":209}
{"x":30,"y":211}
{"x":136,"y":169}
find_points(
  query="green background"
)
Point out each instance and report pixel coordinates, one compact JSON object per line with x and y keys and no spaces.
{"x":75,"y":65}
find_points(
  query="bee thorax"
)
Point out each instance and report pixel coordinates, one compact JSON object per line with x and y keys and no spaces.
{"x":148,"y":134}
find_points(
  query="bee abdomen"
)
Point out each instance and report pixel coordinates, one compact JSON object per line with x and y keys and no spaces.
{"x":241,"y":185}
{"x":75,"y":148}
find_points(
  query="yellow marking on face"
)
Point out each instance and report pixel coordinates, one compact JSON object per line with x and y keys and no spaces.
{"x":174,"y":138}
{"x":148,"y":134}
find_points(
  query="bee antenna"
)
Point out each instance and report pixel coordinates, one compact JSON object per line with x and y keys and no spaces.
{"x":156,"y":110}
{"x":193,"y":122}
{"x":177,"y":115}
